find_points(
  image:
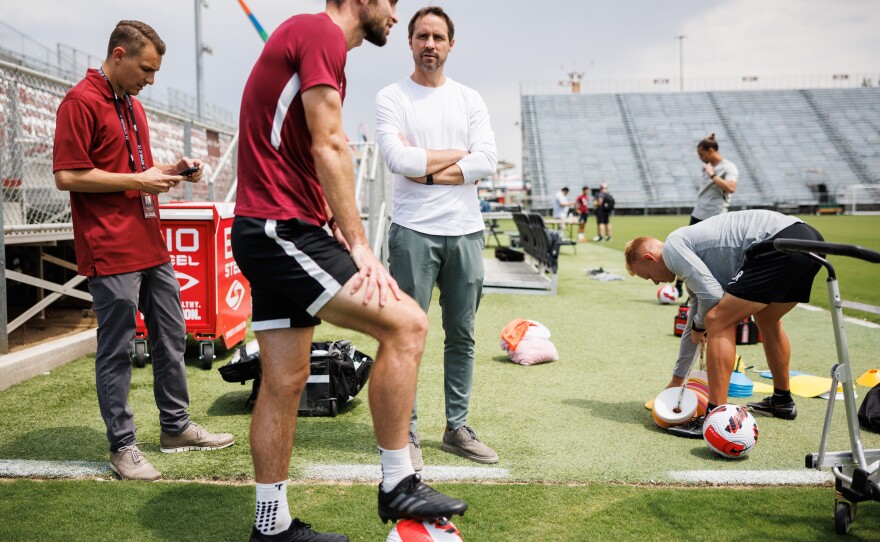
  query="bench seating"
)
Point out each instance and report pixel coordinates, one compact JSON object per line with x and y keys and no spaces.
{"x":541,"y":249}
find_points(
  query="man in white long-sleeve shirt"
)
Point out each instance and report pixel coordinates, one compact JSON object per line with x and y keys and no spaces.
{"x":731,"y":270}
{"x":435,"y":136}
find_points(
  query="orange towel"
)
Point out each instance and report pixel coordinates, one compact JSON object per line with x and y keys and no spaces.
{"x":515,"y":331}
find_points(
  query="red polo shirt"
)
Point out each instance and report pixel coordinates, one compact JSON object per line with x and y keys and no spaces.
{"x":111,"y":235}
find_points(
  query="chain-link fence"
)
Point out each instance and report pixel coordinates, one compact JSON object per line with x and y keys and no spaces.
{"x":32,"y":206}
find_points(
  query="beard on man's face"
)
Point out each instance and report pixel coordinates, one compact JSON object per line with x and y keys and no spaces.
{"x":374,"y":33}
{"x":424,"y":61}
{"x":374,"y":25}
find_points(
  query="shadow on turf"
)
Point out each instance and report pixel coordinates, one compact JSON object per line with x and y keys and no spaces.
{"x":234,"y":403}
{"x":630,"y":412}
{"x":58,"y":444}
{"x":196,"y":512}
{"x":505,"y":359}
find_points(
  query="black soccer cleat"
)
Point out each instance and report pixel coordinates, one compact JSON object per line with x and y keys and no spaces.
{"x":768,"y":407}
{"x":297,"y":532}
{"x":411,"y":499}
{"x":692,"y":429}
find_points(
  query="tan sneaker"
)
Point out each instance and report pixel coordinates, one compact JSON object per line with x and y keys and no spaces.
{"x":464,"y":442}
{"x":415,"y":451}
{"x":194,"y":437}
{"x":130,"y":464}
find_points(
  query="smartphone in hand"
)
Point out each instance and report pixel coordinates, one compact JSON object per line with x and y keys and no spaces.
{"x":188,"y":171}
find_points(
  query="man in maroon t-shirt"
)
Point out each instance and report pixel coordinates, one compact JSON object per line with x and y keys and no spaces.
{"x":582,"y":206}
{"x":102,"y":157}
{"x":295,"y":169}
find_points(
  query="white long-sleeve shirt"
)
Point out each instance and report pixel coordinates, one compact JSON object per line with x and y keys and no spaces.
{"x":451,"y":116}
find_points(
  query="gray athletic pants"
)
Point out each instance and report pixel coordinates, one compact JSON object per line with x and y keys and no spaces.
{"x":117,"y":298}
{"x":455,"y":263}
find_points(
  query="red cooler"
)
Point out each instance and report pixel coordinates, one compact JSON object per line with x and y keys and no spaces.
{"x":214,"y":295}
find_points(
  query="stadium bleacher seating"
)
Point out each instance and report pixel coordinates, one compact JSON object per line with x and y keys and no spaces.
{"x":784,"y":142}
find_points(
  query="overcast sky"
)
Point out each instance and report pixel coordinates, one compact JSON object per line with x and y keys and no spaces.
{"x":498,"y":43}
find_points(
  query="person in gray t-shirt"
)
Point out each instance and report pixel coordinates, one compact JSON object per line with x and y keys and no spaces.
{"x":719,"y":182}
{"x":731,"y":271}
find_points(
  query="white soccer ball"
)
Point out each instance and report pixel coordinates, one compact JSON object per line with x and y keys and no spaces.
{"x":730,"y":431}
{"x":667,"y":294}
{"x":410,"y":530}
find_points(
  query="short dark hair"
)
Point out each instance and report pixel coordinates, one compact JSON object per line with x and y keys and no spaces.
{"x":133,"y":36}
{"x":431,"y":10}
{"x":708,"y":143}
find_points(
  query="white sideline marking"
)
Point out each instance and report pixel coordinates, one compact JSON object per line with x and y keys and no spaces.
{"x":863,"y":323}
{"x":753,"y":477}
{"x":372,"y":473}
{"x":22,"y":468}
{"x":848,"y":319}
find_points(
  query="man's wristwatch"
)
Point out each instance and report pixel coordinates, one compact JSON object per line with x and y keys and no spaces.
{"x":429,"y":179}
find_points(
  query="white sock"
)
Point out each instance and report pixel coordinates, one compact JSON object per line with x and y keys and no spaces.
{"x":396,"y":465}
{"x":272,"y":515}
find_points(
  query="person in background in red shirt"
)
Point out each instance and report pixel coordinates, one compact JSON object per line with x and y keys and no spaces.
{"x":293,"y":154}
{"x":102,"y":157}
{"x":582,"y":205}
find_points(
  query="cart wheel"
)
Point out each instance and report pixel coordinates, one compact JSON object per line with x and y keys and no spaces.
{"x":842,"y":517}
{"x":206,"y":354}
{"x":139,"y":353}
{"x":334,"y":408}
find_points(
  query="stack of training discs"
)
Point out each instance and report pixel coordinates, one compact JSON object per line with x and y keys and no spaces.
{"x":665,"y":412}
{"x":698,"y":382}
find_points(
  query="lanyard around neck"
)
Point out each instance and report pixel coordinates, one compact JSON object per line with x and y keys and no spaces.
{"x":116,"y":100}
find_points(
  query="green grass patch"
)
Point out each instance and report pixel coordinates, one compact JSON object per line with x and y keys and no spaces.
{"x":580,"y":420}
{"x":89,"y":510}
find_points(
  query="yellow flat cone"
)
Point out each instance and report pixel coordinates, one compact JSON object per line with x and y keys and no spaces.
{"x":650,"y":405}
{"x":870,"y":379}
{"x":760,"y":387}
{"x":810,"y":386}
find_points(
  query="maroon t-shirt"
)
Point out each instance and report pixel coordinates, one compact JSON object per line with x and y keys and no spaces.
{"x":276,"y":172}
{"x":111,"y":235}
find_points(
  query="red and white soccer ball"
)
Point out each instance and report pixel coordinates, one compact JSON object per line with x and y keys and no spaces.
{"x":730,"y":431}
{"x":410,"y":530}
{"x":667,"y":294}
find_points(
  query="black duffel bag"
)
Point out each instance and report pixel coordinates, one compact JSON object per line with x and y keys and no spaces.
{"x":869,"y":412}
{"x":338,"y":372}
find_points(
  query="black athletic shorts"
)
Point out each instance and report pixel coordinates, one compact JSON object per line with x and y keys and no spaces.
{"x":582,"y":218}
{"x":602,"y":216}
{"x":773,"y":276}
{"x":294,"y":269}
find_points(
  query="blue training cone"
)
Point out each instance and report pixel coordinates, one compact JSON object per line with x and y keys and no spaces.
{"x":740,"y":385}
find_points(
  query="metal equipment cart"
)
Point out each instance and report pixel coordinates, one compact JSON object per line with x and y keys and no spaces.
{"x":856,"y":471}
{"x":214,"y":295}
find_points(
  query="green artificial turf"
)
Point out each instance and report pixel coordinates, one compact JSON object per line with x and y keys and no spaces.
{"x":89,"y":511}
{"x":579,"y":420}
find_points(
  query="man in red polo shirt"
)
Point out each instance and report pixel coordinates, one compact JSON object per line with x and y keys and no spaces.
{"x":102,"y":157}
